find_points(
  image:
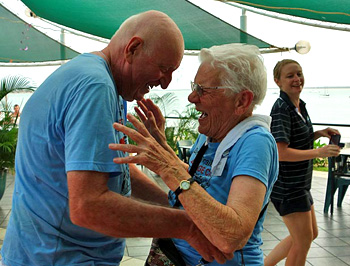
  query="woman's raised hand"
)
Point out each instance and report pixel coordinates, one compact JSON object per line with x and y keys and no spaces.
{"x":148,"y":151}
{"x":152,"y":118}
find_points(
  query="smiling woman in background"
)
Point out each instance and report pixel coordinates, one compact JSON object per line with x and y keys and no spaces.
{"x":292,"y":128}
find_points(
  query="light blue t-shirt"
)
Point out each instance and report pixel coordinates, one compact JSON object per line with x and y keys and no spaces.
{"x":66,"y":125}
{"x":254,"y":154}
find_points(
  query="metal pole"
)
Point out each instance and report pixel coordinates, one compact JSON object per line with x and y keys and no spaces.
{"x":243,"y":20}
{"x":62,"y":47}
{"x":243,"y":35}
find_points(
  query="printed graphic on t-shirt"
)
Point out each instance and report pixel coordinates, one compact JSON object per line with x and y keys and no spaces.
{"x":203,"y":173}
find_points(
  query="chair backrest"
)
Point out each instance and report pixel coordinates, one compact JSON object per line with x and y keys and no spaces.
{"x":183,"y":142}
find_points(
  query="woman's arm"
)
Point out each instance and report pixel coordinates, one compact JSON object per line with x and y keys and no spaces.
{"x":287,"y":154}
{"x":228,"y":226}
{"x":327,"y":132}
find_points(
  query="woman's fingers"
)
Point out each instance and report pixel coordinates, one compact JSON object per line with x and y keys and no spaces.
{"x":142,"y":106}
{"x":141,"y":128}
{"x":151,"y":120}
{"x":124,"y":148}
{"x":140,"y":114}
{"x":131,"y":133}
{"x":159,"y":118}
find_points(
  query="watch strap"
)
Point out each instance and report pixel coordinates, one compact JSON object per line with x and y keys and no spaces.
{"x":191,"y":171}
{"x":179,"y":189}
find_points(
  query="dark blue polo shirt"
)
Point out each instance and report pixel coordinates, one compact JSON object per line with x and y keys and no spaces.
{"x":291,"y":127}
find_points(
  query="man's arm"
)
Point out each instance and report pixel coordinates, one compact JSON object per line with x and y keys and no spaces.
{"x":145,"y":189}
{"x":92,"y":205}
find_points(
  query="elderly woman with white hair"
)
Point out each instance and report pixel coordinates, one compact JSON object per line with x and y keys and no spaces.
{"x":234,"y":162}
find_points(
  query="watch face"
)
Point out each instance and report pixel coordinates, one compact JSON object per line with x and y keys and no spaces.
{"x":185,"y":185}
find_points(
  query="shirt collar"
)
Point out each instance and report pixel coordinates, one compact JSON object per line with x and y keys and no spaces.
{"x":285,"y":97}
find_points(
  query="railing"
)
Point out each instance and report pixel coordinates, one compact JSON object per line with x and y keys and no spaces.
{"x":345,"y":131}
{"x":315,"y":124}
{"x":332,"y":125}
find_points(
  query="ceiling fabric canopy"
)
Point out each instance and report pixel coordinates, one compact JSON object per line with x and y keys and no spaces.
{"x":335,"y":11}
{"x":21,"y":43}
{"x":102,"y":18}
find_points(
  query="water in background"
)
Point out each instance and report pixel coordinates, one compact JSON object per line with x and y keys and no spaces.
{"x":325,"y":105}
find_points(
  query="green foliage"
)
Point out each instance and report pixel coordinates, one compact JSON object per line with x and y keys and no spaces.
{"x":187,"y":127}
{"x":165,"y":103}
{"x":8,"y":130}
{"x":188,"y":119}
{"x":130,"y":125}
{"x":8,"y":141}
{"x":322,"y":169}
{"x":14,"y":84}
{"x":320,"y":163}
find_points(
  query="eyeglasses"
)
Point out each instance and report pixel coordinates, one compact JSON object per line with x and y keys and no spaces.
{"x":199,"y":89}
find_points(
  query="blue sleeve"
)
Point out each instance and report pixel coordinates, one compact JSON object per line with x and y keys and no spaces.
{"x":89,"y":129}
{"x":256,"y":156}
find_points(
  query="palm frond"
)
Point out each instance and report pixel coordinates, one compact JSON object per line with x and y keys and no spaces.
{"x":165,"y":102}
{"x":14,"y":83}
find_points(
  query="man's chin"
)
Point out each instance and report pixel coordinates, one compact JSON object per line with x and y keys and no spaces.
{"x":130,"y":98}
{"x":139,"y":96}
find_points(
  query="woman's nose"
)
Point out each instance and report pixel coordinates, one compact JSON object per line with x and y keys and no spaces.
{"x":296,"y":77}
{"x":193,"y":97}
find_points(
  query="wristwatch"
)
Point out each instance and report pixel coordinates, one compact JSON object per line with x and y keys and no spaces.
{"x":184,"y":185}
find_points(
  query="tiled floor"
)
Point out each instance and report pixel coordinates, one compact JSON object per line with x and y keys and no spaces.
{"x":332,"y":247}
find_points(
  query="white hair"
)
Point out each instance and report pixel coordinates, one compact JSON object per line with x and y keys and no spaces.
{"x":240,"y":67}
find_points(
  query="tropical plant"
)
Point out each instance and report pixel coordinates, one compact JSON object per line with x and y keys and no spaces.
{"x":8,"y":130}
{"x":188,"y":124}
{"x":319,"y":163}
{"x":166,"y":103}
{"x":186,"y":128}
{"x":8,"y":141}
{"x":14,"y":83}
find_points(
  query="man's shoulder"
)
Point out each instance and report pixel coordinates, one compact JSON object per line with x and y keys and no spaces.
{"x":86,"y":68}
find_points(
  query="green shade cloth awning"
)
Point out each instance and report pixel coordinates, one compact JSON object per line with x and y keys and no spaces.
{"x":21,"y":43}
{"x":103,"y":18}
{"x":336,"y":11}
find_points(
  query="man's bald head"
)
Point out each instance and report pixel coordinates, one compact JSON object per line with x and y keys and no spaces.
{"x":152,"y":27}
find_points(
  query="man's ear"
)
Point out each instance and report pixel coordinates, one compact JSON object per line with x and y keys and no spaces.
{"x":244,"y":101}
{"x":133,"y":46}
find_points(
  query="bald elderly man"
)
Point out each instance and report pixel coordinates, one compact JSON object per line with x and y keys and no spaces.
{"x":71,"y":204}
